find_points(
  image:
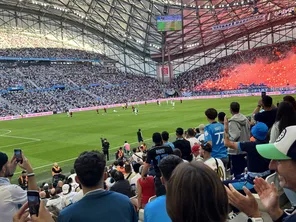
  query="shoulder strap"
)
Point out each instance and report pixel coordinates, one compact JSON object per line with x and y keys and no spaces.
{"x":217,"y":165}
{"x":138,"y":156}
{"x":129,"y":176}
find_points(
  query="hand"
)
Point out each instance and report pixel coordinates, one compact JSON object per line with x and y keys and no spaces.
{"x":269,"y":197}
{"x":226,"y":125}
{"x":246,"y":204}
{"x":26,"y":164}
{"x":11,"y":166}
{"x":260,"y":102}
{"x":44,"y":215}
{"x":22,"y":214}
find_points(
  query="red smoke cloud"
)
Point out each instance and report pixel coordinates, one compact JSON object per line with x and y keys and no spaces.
{"x":276,"y":74}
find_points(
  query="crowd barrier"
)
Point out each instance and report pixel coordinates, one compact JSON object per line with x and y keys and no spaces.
{"x":148,"y":101}
{"x":25,"y":116}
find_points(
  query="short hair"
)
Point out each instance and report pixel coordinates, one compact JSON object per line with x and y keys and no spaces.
{"x":156,"y":138}
{"x":291,"y":100}
{"x":165,"y":135}
{"x":211,"y":113}
{"x":179,"y":131}
{"x":115,"y":163}
{"x":168,"y":164}
{"x":128,"y":168}
{"x":267,"y":101}
{"x":89,"y":167}
{"x":190,"y":132}
{"x":177,"y":152}
{"x":134,"y":150}
{"x":120,"y":163}
{"x":235,"y":107}
{"x":194,"y":179}
{"x":118,"y":176}
{"x":221,"y":116}
{"x":136,"y":167}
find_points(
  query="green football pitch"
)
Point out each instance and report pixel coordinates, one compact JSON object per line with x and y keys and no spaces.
{"x":61,"y":139}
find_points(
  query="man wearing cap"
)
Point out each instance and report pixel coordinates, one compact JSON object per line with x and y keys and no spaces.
{"x":183,"y":145}
{"x":283,"y":160}
{"x":13,"y":196}
{"x":67,"y":195}
{"x":256,"y":164}
{"x":214,"y":163}
{"x":196,"y":153}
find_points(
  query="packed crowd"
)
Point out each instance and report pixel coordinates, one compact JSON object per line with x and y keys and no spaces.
{"x":63,"y":87}
{"x":184,"y":180}
{"x":206,"y":77}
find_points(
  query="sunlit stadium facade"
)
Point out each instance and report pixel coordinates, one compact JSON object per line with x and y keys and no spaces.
{"x":125,"y":30}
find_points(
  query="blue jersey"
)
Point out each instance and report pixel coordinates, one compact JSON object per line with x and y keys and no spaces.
{"x":215,"y":132}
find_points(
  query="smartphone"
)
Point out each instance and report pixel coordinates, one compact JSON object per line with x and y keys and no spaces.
{"x":33,"y":201}
{"x":263,"y":94}
{"x":18,"y":155}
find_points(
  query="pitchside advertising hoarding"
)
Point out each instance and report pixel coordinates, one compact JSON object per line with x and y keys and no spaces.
{"x":163,"y":73}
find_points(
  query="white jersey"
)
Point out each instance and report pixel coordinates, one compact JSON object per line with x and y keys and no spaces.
{"x":220,"y":169}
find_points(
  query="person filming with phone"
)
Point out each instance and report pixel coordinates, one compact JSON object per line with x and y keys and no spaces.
{"x":13,"y":196}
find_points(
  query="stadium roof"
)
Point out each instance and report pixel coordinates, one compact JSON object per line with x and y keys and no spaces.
{"x":131,"y":24}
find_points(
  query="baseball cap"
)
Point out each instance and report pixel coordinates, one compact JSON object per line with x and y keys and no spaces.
{"x":3,"y":159}
{"x":195,"y":148}
{"x":259,"y":131}
{"x":65,"y":188}
{"x":284,"y":147}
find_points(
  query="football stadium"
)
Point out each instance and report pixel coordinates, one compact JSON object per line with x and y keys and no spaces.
{"x":147,"y":111}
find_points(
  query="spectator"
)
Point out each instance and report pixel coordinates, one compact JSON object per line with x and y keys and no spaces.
{"x":67,"y":195}
{"x":178,"y":153}
{"x":120,"y":167}
{"x":201,"y":137}
{"x":145,"y":190}
{"x":23,"y":180}
{"x":268,"y":115}
{"x":110,"y":179}
{"x":194,"y":179}
{"x":106,"y":146}
{"x":282,"y":155}
{"x":239,"y":131}
{"x":196,"y":153}
{"x":43,"y":197}
{"x":135,"y":178}
{"x":214,"y":163}
{"x":121,"y":185}
{"x":165,"y":139}
{"x":191,"y":137}
{"x":154,"y":156}
{"x":55,"y":199}
{"x":137,"y":156}
{"x":221,"y":116}
{"x":127,"y":148}
{"x":214,"y":136}
{"x":89,"y":167}
{"x":183,"y":145}
{"x":257,"y":165}
{"x":156,"y":210}
{"x":12,"y":195}
{"x":129,"y":174}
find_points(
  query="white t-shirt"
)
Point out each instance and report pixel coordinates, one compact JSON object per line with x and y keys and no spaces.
{"x":72,"y":176}
{"x":192,"y":141}
{"x":57,"y":202}
{"x":212,"y":164}
{"x":78,"y":196}
{"x":108,"y":183}
{"x":67,"y":199}
{"x":201,"y":138}
{"x":134,"y":181}
{"x":11,"y":196}
{"x":137,"y":157}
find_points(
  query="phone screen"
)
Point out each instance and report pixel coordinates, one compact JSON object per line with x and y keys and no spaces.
{"x":34,"y":202}
{"x":18,"y":155}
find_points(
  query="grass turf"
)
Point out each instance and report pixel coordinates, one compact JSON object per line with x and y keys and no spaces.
{"x":61,"y":139}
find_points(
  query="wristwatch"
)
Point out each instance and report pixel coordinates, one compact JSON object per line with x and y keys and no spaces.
{"x":253,"y":219}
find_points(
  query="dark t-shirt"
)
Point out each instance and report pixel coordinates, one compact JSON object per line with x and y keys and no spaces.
{"x":139,"y":134}
{"x":291,"y":218}
{"x":267,"y":117}
{"x":185,"y":147}
{"x":123,"y":187}
{"x":256,"y":163}
{"x":106,"y":146}
{"x":155,"y":154}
